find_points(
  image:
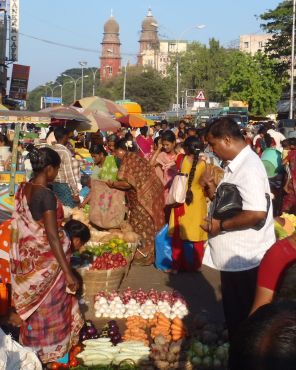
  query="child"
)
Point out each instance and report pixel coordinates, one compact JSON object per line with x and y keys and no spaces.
{"x":78,"y":233}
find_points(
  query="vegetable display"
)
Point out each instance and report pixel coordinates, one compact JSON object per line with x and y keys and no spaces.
{"x":145,"y":304}
{"x":108,"y":261}
{"x":102,"y":352}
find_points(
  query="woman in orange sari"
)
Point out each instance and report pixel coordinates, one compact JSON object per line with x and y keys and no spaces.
{"x":145,"y":197}
{"x":41,"y":276}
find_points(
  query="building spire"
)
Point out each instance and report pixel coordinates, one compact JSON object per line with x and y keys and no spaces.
{"x":149,"y":12}
{"x":111,"y":13}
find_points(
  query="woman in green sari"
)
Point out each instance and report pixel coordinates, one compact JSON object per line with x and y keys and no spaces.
{"x":105,"y":167}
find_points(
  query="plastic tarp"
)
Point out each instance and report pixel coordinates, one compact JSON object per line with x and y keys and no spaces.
{"x":13,"y":356}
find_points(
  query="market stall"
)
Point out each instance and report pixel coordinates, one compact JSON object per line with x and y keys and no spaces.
{"x":15,"y":124}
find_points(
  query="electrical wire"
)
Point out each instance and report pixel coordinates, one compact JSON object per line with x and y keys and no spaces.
{"x":67,"y":45}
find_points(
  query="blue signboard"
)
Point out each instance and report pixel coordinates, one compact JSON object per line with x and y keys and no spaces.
{"x":52,"y":100}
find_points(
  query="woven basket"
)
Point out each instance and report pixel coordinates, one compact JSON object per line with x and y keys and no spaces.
{"x":107,"y":280}
{"x":97,"y":280}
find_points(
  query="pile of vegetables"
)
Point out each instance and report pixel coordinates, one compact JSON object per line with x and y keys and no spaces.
{"x":209,"y":346}
{"x":108,"y":261}
{"x":106,"y":256}
{"x":136,"y":330}
{"x":166,"y":355}
{"x":111,"y":330}
{"x":145,"y":304}
{"x":102,"y":352}
{"x":88,"y":331}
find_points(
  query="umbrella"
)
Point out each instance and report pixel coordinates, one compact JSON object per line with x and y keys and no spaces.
{"x":135,"y":120}
{"x":65,"y":114}
{"x":98,"y":104}
{"x":100,"y":120}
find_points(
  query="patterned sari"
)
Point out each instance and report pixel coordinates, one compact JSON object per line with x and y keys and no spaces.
{"x":51,"y":317}
{"x":289,"y":201}
{"x":146,"y":203}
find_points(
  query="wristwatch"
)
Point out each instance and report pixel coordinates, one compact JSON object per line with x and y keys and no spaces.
{"x":221,"y":226}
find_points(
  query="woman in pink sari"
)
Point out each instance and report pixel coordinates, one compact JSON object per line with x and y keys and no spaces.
{"x":164,"y":160}
{"x":41,"y":276}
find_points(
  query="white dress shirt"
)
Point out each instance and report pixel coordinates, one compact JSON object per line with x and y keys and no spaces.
{"x":243,"y":249}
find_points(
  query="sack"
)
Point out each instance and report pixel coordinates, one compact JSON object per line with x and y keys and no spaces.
{"x":163,"y":249}
{"x":227,"y":202}
{"x":107,"y":206}
{"x":178,"y":189}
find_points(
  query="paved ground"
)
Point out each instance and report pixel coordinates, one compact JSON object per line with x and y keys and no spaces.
{"x":201,"y":290}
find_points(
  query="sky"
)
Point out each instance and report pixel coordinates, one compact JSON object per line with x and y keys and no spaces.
{"x":80,"y":23}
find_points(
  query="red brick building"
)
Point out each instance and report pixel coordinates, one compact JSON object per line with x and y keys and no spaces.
{"x":110,"y":57}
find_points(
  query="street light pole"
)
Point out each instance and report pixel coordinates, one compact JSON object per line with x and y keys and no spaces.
{"x":291,"y":112}
{"x":201,"y":26}
{"x":94,"y":80}
{"x":62,"y":87}
{"x":124,"y":83}
{"x":82,"y":64}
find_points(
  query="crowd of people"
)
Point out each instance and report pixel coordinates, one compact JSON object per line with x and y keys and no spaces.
{"x":143,"y":163}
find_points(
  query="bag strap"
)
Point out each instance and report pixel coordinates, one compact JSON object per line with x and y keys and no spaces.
{"x":179,"y":161}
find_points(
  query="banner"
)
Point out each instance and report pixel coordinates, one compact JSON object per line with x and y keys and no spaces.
{"x":19,"y":82}
{"x":14,"y":30}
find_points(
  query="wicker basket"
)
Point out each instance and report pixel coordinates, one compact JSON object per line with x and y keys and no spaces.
{"x":96,"y":280}
{"x":107,"y":280}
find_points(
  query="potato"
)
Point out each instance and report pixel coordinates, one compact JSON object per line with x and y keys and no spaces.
{"x":160,"y":340}
{"x":162,"y":365}
{"x":175,"y":348}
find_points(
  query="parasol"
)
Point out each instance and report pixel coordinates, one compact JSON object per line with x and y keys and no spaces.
{"x":134,"y":120}
{"x":99,"y":120}
{"x":65,"y":113}
{"x":98,"y":104}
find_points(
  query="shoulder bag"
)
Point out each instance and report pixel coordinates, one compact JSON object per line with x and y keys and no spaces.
{"x":178,"y":189}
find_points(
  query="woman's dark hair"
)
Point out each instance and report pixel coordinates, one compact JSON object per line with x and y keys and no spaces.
{"x":156,"y":140}
{"x":4,"y":139}
{"x":75,"y":228}
{"x":193,"y":146}
{"x":43,"y":157}
{"x":60,"y":132}
{"x":268,"y":140}
{"x":266,"y":340}
{"x":169,"y":136}
{"x":225,"y":126}
{"x":129,"y":137}
{"x":262,"y":130}
{"x":122,"y":144}
{"x":98,"y":149}
{"x":144,"y":130}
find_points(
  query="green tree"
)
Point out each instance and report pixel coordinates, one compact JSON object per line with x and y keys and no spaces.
{"x":201,"y":67}
{"x":251,"y":79}
{"x":278,"y":23}
{"x":145,"y":86}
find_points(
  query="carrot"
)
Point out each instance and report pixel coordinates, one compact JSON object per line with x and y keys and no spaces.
{"x":178,"y":321}
{"x":175,"y":327}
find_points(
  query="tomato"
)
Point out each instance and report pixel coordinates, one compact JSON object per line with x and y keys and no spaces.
{"x":73,"y":362}
{"x":55,"y":365}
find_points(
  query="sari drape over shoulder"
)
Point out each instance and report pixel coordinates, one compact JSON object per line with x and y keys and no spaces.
{"x":37,"y":279}
{"x":146,"y":200}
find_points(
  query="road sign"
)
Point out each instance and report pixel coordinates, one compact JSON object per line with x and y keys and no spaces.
{"x":200,"y":95}
{"x":52,"y":100}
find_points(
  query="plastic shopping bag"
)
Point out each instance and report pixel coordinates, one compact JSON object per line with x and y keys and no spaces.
{"x":163,"y":249}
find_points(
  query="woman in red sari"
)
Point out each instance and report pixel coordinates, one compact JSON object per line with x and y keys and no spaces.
{"x":144,"y":142}
{"x":41,"y":276}
{"x":144,"y":191}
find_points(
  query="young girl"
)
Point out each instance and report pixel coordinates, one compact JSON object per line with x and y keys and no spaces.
{"x":186,"y":219}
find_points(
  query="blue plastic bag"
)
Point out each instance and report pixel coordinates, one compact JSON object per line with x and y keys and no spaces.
{"x":163,"y":249}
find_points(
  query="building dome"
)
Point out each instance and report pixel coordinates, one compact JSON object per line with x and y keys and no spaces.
{"x":111,"y":26}
{"x":149,"y":23}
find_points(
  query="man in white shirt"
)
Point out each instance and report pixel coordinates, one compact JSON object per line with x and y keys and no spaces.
{"x":278,"y":137}
{"x":235,"y":248}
